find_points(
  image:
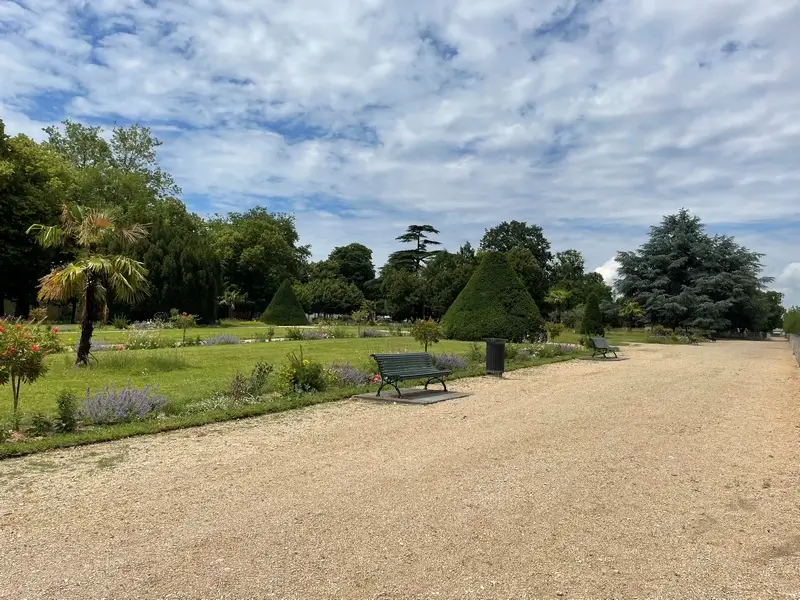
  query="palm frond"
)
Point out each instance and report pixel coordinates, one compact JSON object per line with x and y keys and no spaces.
{"x":94,"y":227}
{"x":47,"y":236}
{"x":97,"y":263}
{"x":128,"y":279}
{"x":63,"y":284}
{"x":133,"y":233}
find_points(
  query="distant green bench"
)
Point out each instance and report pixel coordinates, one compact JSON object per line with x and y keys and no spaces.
{"x":394,"y":368}
{"x":600,"y":346}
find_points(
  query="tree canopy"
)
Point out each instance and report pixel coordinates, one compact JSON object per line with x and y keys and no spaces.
{"x":284,"y":308}
{"x":684,"y":277}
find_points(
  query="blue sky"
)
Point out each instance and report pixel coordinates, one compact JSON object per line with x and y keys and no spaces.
{"x":591,"y":118}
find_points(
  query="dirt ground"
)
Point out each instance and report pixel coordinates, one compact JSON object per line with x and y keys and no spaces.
{"x":673,"y":474}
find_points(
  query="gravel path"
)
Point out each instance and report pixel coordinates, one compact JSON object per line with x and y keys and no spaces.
{"x":674,"y":474}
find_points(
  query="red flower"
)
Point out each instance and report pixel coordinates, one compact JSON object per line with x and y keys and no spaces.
{"x":35,"y":348}
{"x":55,"y":329}
{"x":1,"y":330}
{"x":10,"y":351}
{"x":19,"y":326}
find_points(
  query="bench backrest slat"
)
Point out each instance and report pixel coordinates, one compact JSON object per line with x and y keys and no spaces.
{"x":401,"y":363}
{"x":600,"y":343}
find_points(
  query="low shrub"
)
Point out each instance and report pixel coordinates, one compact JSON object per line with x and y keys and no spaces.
{"x":38,"y":314}
{"x":554,"y":330}
{"x":112,"y":405}
{"x":265,"y":336}
{"x":221,"y":340}
{"x":294,"y":333}
{"x":659,"y":331}
{"x":347,"y":375}
{"x":40,"y":425}
{"x":450,"y":362}
{"x":476,"y":353}
{"x":511,"y":351}
{"x":314,"y":334}
{"x":150,"y":325}
{"x":242,"y":386}
{"x":302,"y":375}
{"x":67,"y":405}
{"x":120,"y":322}
{"x":373,"y":333}
{"x":6,"y":430}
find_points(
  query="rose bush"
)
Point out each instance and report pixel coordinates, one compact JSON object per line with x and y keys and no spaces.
{"x":22,"y":351}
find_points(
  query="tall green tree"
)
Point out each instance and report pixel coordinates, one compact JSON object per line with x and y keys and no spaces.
{"x":354,"y":264}
{"x":33,"y":180}
{"x":257,"y":250}
{"x":682,"y":277}
{"x":511,"y":234}
{"x":419,"y":237}
{"x":530,"y":271}
{"x":94,"y":275}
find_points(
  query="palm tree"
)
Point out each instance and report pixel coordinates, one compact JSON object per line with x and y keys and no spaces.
{"x":93,"y":274}
{"x":557,"y":297}
{"x":232,"y":298}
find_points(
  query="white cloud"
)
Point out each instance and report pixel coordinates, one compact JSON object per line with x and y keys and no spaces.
{"x":625,"y":112}
{"x":788,"y":282}
{"x":608,"y":270}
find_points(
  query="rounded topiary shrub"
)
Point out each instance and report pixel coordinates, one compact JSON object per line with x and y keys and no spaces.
{"x":494,"y":303}
{"x":284,"y":308}
{"x":592,"y":322}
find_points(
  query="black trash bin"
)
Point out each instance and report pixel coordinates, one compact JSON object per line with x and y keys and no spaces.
{"x":495,"y":356}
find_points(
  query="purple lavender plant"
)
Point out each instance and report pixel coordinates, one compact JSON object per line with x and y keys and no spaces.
{"x":450,"y":362}
{"x":347,"y":374}
{"x":221,"y":340}
{"x":112,"y":405}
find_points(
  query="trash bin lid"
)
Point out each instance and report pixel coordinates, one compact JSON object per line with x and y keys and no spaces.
{"x":494,"y":340}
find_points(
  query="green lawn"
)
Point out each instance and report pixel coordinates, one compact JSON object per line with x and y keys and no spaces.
{"x":193,"y":373}
{"x":71,"y":333}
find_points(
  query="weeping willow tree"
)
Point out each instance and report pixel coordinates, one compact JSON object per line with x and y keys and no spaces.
{"x":94,"y":274}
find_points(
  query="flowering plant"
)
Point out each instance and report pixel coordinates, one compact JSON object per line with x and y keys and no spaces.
{"x":183,"y":321}
{"x":22,"y":352}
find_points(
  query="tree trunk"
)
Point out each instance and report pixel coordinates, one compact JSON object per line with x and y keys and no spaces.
{"x":88,"y":317}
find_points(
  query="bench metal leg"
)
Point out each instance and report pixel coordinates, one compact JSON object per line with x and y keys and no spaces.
{"x":385,"y":382}
{"x":434,"y":379}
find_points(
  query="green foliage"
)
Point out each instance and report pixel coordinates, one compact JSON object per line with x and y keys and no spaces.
{"x":146,"y":340}
{"x":67,"y":406}
{"x":257,"y":250}
{"x":294,"y":333}
{"x":631,"y":311}
{"x":443,"y":278}
{"x":354,"y":264}
{"x":329,"y":296}
{"x":494,"y":303}
{"x":554,"y":330}
{"x":509,"y":235}
{"x":284,"y":309}
{"x":242,"y":387}
{"x":791,"y":321}
{"x":412,"y":260}
{"x":302,"y":375}
{"x":427,"y":332}
{"x":476,"y":353}
{"x":592,"y":322}
{"x":530,"y":271}
{"x":39,"y":425}
{"x":404,"y":293}
{"x":22,"y":352}
{"x":38,"y":314}
{"x":683,"y":277}
{"x":183,"y":321}
{"x":120,"y":322}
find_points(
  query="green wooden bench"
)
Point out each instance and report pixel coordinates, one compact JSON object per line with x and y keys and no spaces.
{"x":400,"y":367}
{"x":600,"y":346}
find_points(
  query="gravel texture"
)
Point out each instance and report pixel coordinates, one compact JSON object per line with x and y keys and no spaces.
{"x":675,"y":474}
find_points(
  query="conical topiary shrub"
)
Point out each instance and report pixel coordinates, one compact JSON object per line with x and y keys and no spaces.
{"x":494,"y":303}
{"x":284,"y":308}
{"x":592,"y":323}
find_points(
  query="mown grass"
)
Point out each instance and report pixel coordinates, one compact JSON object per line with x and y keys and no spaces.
{"x":190,"y":374}
{"x":278,"y":404}
{"x":70,"y":334}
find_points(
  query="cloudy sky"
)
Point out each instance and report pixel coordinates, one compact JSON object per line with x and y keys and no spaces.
{"x":591,"y":118}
